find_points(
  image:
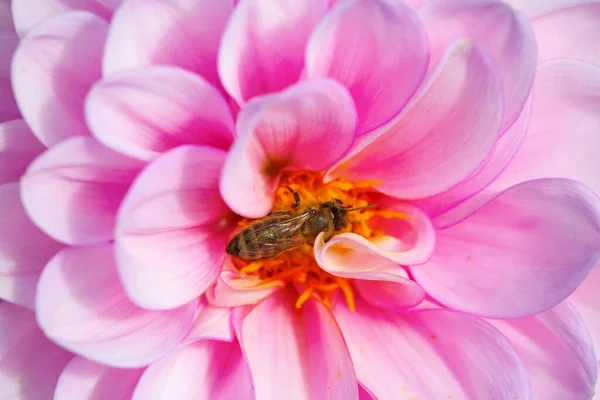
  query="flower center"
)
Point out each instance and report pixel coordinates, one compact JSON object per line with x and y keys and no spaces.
{"x":297,"y":266}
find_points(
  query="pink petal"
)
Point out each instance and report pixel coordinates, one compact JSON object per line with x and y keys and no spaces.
{"x":297,"y":355}
{"x":6,"y":18}
{"x":505,"y":35}
{"x":309,"y":126}
{"x":205,"y":370}
{"x":73,"y":190}
{"x":557,"y":352}
{"x":85,"y":379}
{"x":571,"y":33}
{"x":18,"y":147}
{"x":500,"y":157}
{"x":407,"y":241}
{"x":397,"y":293}
{"x":82,"y":306}
{"x":184,"y":33}
{"x":52,"y":71}
{"x":147,"y":111}
{"x":24,"y":249}
{"x":441,"y":137}
{"x":8,"y":44}
{"x":30,"y":364}
{"x":172,"y":228}
{"x":211,"y":323}
{"x":377,"y":50}
{"x":587,"y":301}
{"x":524,"y":251}
{"x":431,"y":354}
{"x":29,"y":13}
{"x":264,"y":43}
{"x":563,"y":135}
{"x":231,"y":290}
{"x":536,"y":8}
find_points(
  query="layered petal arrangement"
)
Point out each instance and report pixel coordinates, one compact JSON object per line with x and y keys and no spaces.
{"x":300,"y":199}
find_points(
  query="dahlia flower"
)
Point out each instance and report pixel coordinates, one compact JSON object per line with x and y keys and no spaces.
{"x":458,"y":138}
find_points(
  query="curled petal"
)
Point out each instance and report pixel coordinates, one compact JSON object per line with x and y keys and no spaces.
{"x":204,"y":370}
{"x":183,"y":33}
{"x":377,"y":50}
{"x":50,"y":89}
{"x":563,"y":135}
{"x":557,"y":352}
{"x":407,"y":241}
{"x":264,"y":43}
{"x":30,"y":363}
{"x":504,"y":34}
{"x":85,"y":379}
{"x":82,"y":306}
{"x":306,"y":356}
{"x":571,"y":32}
{"x":431,"y":354}
{"x":522,"y":252}
{"x":394,"y":291}
{"x":211,"y":322}
{"x":29,"y":13}
{"x":172,"y":228}
{"x":231,"y":290}
{"x":441,"y":137}
{"x":18,"y":147}
{"x":536,"y":8}
{"x":309,"y":126}
{"x":24,"y":249}
{"x":147,"y":111}
{"x":72,"y":191}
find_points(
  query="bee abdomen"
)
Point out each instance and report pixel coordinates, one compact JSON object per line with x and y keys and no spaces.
{"x":244,"y":245}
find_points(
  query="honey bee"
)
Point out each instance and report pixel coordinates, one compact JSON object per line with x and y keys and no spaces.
{"x":281,"y":231}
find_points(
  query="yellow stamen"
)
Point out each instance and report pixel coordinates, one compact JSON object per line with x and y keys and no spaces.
{"x":303,"y":298}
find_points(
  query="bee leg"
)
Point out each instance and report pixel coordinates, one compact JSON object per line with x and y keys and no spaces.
{"x":279,"y":213}
{"x":296,"y":198}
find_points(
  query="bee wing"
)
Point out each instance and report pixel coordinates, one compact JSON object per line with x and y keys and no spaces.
{"x":280,"y":235}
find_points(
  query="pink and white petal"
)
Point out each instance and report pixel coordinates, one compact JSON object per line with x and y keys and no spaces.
{"x":8,"y":105}
{"x":18,"y":147}
{"x":24,"y":249}
{"x":505,"y":35}
{"x":264,"y":44}
{"x":306,"y":356}
{"x":498,"y":160}
{"x":586,"y":300}
{"x":52,"y":70}
{"x":172,"y":228}
{"x":30,"y":363}
{"x":523,"y":252}
{"x":73,"y":190}
{"x":85,"y":379}
{"x":431,"y":354}
{"x":377,"y":49}
{"x":441,"y":137}
{"x":27,"y":14}
{"x":204,"y":370}
{"x":397,"y":292}
{"x":536,"y":8}
{"x":82,"y":305}
{"x":557,"y":351}
{"x":564,"y":132}
{"x":408,"y":241}
{"x":363,"y":394}
{"x":232,"y":289}
{"x":309,"y":126}
{"x":147,"y":111}
{"x":579,"y":30}
{"x":183,"y":33}
{"x":211,"y":322}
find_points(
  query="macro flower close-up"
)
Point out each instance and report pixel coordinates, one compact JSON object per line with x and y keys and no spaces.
{"x":299,"y":199}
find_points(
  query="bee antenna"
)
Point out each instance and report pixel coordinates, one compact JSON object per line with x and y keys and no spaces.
{"x":363,"y":207}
